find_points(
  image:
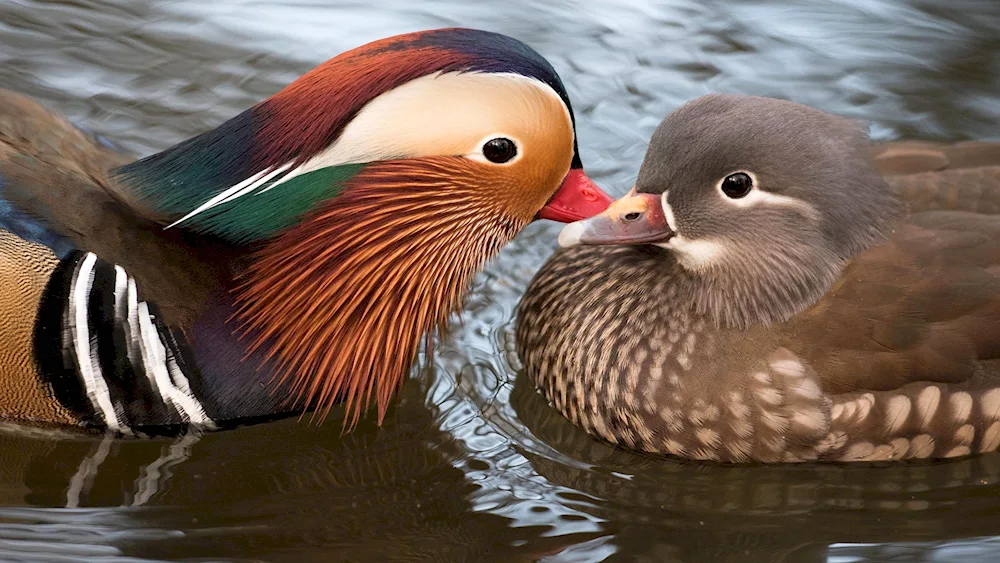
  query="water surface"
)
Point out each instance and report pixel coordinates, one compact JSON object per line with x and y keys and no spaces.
{"x":473,"y":465}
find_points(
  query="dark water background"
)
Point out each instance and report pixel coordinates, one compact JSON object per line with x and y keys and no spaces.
{"x":473,"y":466}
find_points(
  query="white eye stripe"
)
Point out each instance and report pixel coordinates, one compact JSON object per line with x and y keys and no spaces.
{"x":759,"y":196}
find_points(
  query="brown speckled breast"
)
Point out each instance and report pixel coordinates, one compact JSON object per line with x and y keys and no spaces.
{"x":650,"y":374}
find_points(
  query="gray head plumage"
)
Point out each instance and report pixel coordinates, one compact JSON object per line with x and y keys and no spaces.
{"x":816,"y":201}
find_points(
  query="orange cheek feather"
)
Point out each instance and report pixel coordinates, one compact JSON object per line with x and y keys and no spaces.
{"x":341,"y":301}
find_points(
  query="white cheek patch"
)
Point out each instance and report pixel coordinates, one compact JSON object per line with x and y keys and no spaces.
{"x":692,"y":254}
{"x":695,"y":254}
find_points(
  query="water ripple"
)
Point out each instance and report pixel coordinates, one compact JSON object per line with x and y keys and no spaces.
{"x":472,"y":464}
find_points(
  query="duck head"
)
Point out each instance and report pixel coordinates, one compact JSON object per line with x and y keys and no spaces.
{"x":760,"y":201}
{"x":370,"y":190}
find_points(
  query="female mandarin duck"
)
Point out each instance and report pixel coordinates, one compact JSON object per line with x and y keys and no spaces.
{"x":293,"y":257}
{"x":787,"y":297}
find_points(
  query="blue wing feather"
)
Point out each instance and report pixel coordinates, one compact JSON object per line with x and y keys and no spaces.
{"x":30,"y":228}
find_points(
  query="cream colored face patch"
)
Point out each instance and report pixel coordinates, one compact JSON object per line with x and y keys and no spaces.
{"x":453,"y":114}
{"x":443,"y":114}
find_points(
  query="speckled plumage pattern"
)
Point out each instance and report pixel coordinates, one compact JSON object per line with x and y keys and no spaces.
{"x":899,"y":359}
{"x":658,"y":379}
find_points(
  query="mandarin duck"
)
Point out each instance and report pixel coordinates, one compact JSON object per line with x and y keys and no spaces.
{"x":777,"y":289}
{"x":294,"y":257}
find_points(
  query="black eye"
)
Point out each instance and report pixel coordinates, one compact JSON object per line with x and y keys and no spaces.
{"x":499,"y":150}
{"x":737,"y":185}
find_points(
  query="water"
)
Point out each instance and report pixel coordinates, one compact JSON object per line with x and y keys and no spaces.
{"x":473,"y":465}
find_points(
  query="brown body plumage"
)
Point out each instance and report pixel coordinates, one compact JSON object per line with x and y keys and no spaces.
{"x":898,"y":358}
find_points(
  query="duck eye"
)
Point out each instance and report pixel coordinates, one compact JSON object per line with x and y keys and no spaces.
{"x":499,"y":150}
{"x":737,"y":185}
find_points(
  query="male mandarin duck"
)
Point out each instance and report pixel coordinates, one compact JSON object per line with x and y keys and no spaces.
{"x":293,"y":257}
{"x":779,"y":290}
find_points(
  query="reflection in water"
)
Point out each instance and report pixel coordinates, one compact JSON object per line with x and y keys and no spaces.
{"x":297,"y":493}
{"x":473,"y":465}
{"x":704,"y":512}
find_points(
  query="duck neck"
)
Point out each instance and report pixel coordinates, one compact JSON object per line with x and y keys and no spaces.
{"x":758,"y":286}
{"x":341,"y":302}
{"x":237,"y":382}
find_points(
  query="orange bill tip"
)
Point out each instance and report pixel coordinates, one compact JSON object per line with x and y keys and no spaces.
{"x":634,"y":219}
